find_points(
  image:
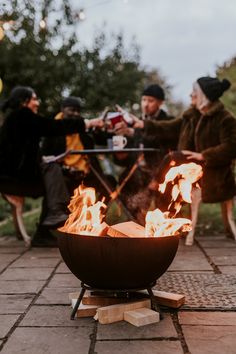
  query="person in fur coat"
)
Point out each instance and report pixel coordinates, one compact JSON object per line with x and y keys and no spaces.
{"x":207,"y":135}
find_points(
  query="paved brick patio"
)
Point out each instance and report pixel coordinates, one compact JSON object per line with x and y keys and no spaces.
{"x":35,"y":311}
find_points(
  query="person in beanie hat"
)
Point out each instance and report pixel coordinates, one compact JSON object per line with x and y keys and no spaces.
{"x":71,"y":101}
{"x":212,"y":87}
{"x":152,"y":99}
{"x":154,"y":90}
{"x":207,"y":135}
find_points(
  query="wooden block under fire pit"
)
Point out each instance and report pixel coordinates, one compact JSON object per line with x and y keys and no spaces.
{"x":102,"y":300}
{"x":166,"y":299}
{"x":141,"y":317}
{"x":126,"y":229}
{"x":115,"y":313}
{"x":85,"y":310}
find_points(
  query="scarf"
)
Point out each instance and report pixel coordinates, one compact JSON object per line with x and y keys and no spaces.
{"x":73,"y":142}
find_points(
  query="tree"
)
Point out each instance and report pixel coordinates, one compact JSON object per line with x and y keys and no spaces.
{"x":228,"y":70}
{"x":42,"y":50}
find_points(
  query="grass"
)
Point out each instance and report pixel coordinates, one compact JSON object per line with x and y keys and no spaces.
{"x":30,"y":220}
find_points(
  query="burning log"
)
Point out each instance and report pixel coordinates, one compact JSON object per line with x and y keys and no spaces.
{"x":159,"y":225}
{"x":126,"y":229}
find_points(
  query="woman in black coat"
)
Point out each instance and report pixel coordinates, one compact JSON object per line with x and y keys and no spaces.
{"x":20,"y":158}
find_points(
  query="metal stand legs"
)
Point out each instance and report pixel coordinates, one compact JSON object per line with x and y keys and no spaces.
{"x":154,"y":303}
{"x":73,"y":313}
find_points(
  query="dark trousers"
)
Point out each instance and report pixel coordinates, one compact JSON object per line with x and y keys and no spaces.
{"x":56,"y":193}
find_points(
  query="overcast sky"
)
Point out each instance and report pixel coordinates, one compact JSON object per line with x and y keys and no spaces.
{"x":184,"y":39}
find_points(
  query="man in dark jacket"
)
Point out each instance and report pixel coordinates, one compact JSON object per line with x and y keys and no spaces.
{"x":153,"y":97}
{"x":76,"y":168}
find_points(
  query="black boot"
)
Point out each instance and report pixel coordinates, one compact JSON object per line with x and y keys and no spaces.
{"x":43,"y":238}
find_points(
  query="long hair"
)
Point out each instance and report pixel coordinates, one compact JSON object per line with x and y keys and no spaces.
{"x":18,"y":96}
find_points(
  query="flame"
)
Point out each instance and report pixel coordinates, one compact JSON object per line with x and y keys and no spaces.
{"x":159,"y":224}
{"x":86,"y":214}
{"x":182,"y":178}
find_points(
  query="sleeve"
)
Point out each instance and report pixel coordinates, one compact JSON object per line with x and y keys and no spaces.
{"x":223,"y":153}
{"x":166,"y":132}
{"x":41,"y":126}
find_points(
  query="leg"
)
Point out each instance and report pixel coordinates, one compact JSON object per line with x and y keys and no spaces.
{"x":57,"y":196}
{"x":17,"y":203}
{"x":73,"y":313}
{"x":154,"y":303}
{"x":196,"y":200}
{"x":227,"y":216}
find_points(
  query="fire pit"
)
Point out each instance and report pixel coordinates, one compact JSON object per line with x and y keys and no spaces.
{"x":124,"y":264}
{"x":117,"y":263}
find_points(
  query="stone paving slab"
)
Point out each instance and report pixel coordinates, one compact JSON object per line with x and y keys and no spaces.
{"x":49,"y":340}
{"x":20,"y":286}
{"x":221,"y":251}
{"x":2,"y":267}
{"x":53,"y":316}
{"x":12,"y":250}
{"x":7,"y":258}
{"x":26,"y":274}
{"x":139,"y":347}
{"x":124,"y":330}
{"x":215,"y":242}
{"x":227,"y":269}
{"x":43,"y":253}
{"x":6,"y":323}
{"x":64,"y":280}
{"x":224,"y":260}
{"x":63,"y":268}
{"x":210,"y":339}
{"x":35,"y":262}
{"x":190,"y":262}
{"x":10,"y":304}
{"x":56,"y":296}
{"x":11,"y":241}
{"x":207,"y":318}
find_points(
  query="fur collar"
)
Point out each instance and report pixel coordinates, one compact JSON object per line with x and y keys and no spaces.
{"x":215,"y":108}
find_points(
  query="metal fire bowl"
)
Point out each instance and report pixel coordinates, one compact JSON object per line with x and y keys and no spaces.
{"x":117,"y":263}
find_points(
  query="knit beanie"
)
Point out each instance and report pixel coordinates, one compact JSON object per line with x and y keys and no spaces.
{"x":154,"y":91}
{"x":71,"y":101}
{"x":212,"y":87}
